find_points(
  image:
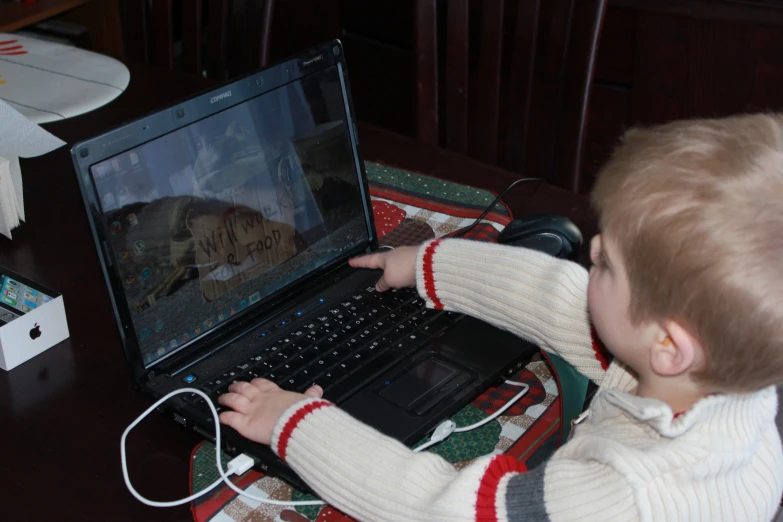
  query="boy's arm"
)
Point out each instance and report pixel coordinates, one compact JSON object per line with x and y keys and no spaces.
{"x":373,"y":477}
{"x":538,"y":297}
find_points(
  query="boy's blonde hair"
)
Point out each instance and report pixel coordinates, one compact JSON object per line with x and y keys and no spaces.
{"x":696,"y":209}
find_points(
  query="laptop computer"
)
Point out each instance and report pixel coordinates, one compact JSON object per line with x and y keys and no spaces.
{"x":224,"y":224}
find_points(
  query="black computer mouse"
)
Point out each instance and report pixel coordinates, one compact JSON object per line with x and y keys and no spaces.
{"x":550,"y":233}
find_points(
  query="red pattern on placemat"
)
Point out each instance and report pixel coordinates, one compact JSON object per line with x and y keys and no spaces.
{"x":387,"y":217}
{"x":410,"y":232}
{"x":439,"y":206}
{"x":481,"y":232}
{"x":545,"y":427}
{"x":495,"y":398}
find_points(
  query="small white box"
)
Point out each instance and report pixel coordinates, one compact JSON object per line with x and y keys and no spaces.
{"x":34,"y":331}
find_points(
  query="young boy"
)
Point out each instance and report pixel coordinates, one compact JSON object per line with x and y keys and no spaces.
{"x":686,"y":292}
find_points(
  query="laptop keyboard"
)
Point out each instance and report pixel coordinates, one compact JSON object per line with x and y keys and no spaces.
{"x":340,"y":347}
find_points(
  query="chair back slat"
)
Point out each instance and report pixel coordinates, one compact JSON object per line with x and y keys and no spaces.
{"x":192,"y":37}
{"x":457,"y":79}
{"x":516,"y":75}
{"x":217,"y":44}
{"x":135,"y":23}
{"x":426,"y":49}
{"x":219,"y":38}
{"x":162,"y":45}
{"x":520,"y":83}
{"x":488,"y":92}
{"x":582,"y":50}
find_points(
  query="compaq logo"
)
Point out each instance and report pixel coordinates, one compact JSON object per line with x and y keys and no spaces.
{"x":313,"y":60}
{"x":219,"y":97}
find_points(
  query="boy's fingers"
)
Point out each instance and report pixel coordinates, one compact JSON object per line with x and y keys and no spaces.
{"x":264,"y":385}
{"x":369,"y":261}
{"x":245,"y":388}
{"x":315,"y":391}
{"x":235,"y":401}
{"x":233,"y":419}
{"x":382,"y":285}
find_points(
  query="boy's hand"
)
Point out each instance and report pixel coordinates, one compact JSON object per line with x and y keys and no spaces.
{"x":257,"y":407}
{"x":398,"y":265}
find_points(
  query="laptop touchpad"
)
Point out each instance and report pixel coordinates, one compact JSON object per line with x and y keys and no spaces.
{"x":416,"y":383}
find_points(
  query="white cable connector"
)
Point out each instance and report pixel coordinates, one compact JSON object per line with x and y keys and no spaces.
{"x":446,"y":428}
{"x":240,"y":465}
{"x":441,"y":433}
{"x":243,"y":463}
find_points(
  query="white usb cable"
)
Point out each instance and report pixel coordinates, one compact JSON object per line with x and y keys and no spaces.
{"x":446,"y":428}
{"x":242,"y":463}
{"x":237,"y":466}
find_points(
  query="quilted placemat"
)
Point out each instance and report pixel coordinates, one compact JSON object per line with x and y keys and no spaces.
{"x":410,"y":208}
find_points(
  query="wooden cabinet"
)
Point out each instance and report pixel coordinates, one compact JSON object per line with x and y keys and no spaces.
{"x":664,"y":60}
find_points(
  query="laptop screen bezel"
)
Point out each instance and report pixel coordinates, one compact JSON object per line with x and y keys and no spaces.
{"x":177,"y":116}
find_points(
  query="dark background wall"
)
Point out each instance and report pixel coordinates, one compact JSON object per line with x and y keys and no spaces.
{"x":658,"y":60}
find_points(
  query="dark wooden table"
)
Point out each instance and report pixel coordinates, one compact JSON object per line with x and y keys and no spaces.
{"x":63,"y":412}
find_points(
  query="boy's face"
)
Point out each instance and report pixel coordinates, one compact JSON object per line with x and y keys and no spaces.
{"x":609,"y":301}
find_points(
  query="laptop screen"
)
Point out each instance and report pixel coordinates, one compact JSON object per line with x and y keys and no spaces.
{"x":210,"y":219}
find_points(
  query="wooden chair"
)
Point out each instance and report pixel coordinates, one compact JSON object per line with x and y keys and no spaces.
{"x":508,"y":81}
{"x":214,"y":38}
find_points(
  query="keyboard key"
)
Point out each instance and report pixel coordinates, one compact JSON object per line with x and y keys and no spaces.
{"x":340,"y":353}
{"x":348,"y":365}
{"x":310,"y":372}
{"x":344,"y":387}
{"x":287,"y":368}
{"x":327,"y":379}
{"x":405,"y":346}
{"x":293,"y":382}
{"x":321,"y":365}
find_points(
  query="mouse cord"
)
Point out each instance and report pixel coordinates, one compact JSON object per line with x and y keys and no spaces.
{"x":462,"y":232}
{"x":446,"y":428}
{"x":243,"y":463}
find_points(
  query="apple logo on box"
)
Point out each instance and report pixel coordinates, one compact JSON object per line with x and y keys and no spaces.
{"x":35,"y":333}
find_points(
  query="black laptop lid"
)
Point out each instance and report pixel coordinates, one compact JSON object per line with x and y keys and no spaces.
{"x":203,"y":222}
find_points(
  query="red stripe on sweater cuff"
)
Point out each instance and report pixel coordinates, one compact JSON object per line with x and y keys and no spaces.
{"x":429,"y":278}
{"x":290,"y":426}
{"x":486,"y":498}
{"x":601,"y":353}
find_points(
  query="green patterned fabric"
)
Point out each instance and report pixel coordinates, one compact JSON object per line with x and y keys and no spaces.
{"x":382,"y":175}
{"x":462,"y":447}
{"x":204,"y":471}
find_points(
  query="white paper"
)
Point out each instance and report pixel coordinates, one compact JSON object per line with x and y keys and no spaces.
{"x":16,"y":179}
{"x":19,"y":137}
{"x":7,"y":205}
{"x":22,"y":138}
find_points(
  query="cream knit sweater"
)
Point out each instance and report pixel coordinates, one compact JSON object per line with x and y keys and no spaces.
{"x":630,"y":459}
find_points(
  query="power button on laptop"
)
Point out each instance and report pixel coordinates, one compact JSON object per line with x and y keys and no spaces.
{"x":190,"y":378}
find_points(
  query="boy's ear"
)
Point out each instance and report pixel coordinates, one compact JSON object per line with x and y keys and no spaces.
{"x":675,"y":351}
